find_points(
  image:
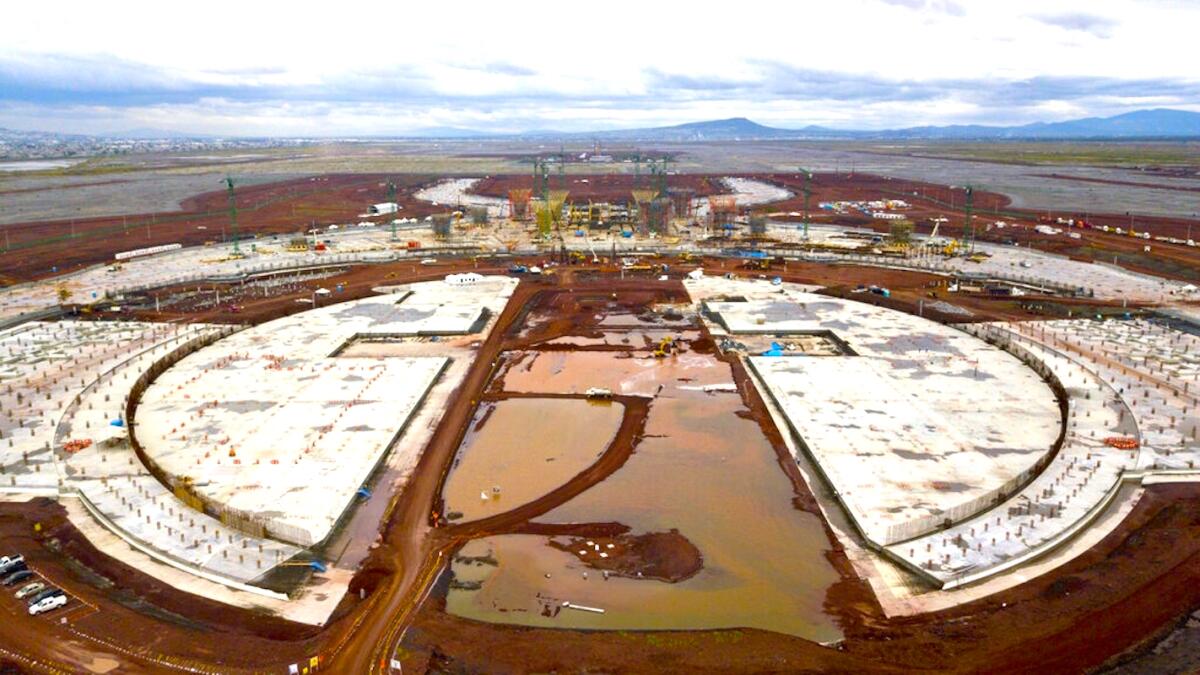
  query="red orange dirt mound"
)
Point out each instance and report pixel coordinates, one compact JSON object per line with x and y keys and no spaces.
{"x":665,"y":556}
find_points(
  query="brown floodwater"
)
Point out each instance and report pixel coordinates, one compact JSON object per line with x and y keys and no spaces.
{"x":511,"y":446}
{"x":702,"y":470}
{"x":641,"y":375}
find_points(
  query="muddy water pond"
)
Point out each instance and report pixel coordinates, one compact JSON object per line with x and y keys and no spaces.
{"x":702,"y":470}
{"x":519,"y":449}
{"x":640,"y":375}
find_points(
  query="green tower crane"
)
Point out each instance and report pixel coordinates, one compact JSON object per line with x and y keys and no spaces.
{"x":968,"y":222}
{"x":807,"y":192}
{"x":237,"y":252}
{"x":391,"y":186}
{"x":661,"y":185}
{"x":562,"y":167}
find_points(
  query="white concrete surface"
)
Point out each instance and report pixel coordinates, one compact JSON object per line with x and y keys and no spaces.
{"x":43,"y":368}
{"x":119,"y":492}
{"x":270,"y":423}
{"x":924,"y":424}
{"x":1126,"y":380}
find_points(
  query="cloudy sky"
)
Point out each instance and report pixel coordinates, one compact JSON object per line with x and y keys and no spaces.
{"x":359,"y":68}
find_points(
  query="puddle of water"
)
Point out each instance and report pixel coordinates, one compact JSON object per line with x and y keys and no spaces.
{"x":702,"y":470}
{"x":516,"y":450}
{"x":633,"y":339}
{"x":575,"y":372}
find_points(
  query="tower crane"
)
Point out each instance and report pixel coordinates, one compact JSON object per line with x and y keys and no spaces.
{"x":968,"y":223}
{"x":237,"y":252}
{"x":807,"y":191}
{"x":391,"y":186}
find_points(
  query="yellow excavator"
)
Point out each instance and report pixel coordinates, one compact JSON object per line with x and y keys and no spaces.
{"x":666,"y":346}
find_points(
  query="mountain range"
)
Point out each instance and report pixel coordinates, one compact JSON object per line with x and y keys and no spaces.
{"x":1156,"y":123}
{"x":1163,"y":123}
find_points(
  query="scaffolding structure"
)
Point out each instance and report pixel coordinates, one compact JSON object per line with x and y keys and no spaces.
{"x":722,"y":211}
{"x":442,"y":224}
{"x":682,"y":200}
{"x":518,"y":203}
{"x":549,"y":212}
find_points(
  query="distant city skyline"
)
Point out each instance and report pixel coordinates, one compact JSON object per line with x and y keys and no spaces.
{"x":363,"y":68}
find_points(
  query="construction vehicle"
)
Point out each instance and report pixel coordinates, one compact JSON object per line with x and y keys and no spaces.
{"x":977,"y":257}
{"x":666,"y":346}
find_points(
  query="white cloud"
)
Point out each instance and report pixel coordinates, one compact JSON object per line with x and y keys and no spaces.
{"x":363,"y":67}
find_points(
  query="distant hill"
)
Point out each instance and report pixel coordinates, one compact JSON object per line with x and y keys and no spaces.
{"x":1160,"y":122}
{"x":732,"y":129}
{"x":1157,"y":123}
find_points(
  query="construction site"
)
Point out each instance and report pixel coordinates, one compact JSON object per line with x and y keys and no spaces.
{"x":561,"y":420}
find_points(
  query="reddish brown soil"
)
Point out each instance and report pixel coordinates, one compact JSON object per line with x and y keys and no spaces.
{"x":127,"y":607}
{"x":929,"y":200}
{"x":272,"y":208}
{"x":665,"y":556}
{"x":1123,"y":590}
{"x":287,"y":206}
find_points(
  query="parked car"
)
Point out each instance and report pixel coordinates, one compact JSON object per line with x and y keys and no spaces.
{"x":18,"y":576}
{"x":50,"y":590}
{"x":12,"y":568}
{"x":9,"y":561}
{"x":47,"y":604}
{"x":31,"y":589}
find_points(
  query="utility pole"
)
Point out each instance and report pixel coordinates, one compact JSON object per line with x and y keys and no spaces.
{"x":237,"y":253}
